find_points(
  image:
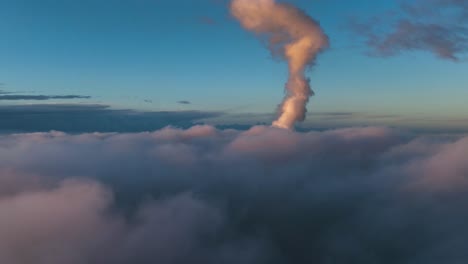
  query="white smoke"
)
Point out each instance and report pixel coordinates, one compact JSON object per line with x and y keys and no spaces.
{"x":297,"y":37}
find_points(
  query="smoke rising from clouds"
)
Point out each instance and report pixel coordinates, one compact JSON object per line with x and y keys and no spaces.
{"x":202,"y":195}
{"x":296,"y":37}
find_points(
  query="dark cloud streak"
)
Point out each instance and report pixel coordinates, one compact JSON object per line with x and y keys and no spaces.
{"x":76,"y":118}
{"x":40,"y":97}
{"x":436,"y":26}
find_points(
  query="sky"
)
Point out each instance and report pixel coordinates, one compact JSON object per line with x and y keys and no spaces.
{"x":140,"y":131}
{"x":164,"y":55}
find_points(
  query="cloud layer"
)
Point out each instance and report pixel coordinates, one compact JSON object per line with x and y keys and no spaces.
{"x":202,"y":195}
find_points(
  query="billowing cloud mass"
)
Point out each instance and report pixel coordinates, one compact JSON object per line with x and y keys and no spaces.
{"x":293,"y":35}
{"x":202,"y":195}
{"x":436,"y":26}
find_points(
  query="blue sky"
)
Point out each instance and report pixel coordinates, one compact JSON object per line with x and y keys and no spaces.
{"x":123,"y":52}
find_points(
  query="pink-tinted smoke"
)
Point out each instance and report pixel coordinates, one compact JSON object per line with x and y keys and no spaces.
{"x":296,"y":37}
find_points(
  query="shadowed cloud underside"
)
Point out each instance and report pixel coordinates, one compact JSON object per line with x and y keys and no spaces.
{"x":265,"y":195}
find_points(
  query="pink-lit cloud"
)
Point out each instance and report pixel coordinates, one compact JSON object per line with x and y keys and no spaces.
{"x":265,"y":195}
{"x":292,"y":35}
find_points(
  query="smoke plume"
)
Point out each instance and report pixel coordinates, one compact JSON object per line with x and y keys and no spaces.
{"x":296,"y":37}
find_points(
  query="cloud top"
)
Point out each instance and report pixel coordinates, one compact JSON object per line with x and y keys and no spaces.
{"x":265,"y":195}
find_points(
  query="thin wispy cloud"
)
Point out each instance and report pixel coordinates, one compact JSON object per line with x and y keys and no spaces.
{"x":206,"y":20}
{"x":76,"y":118}
{"x":40,"y":97}
{"x":436,"y":26}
